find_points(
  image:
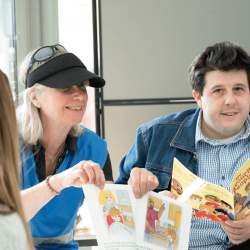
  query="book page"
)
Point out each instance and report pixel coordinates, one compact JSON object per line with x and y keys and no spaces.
{"x":208,"y":200}
{"x":163,"y":223}
{"x":241,"y":189}
{"x":122,"y":222}
{"x":212,"y":202}
{"x":112,"y":215}
{"x":184,"y":182}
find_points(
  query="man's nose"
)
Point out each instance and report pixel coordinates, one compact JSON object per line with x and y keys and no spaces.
{"x":230,"y":98}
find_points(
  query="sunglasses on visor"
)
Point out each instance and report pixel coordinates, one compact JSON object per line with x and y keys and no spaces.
{"x":43,"y":54}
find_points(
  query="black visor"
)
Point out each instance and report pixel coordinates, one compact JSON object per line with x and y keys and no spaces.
{"x":63,"y":71}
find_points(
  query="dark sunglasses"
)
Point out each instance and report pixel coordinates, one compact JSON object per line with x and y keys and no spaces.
{"x":43,"y":54}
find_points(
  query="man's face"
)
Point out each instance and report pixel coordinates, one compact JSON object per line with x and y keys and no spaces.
{"x":176,"y":186}
{"x":150,"y":204}
{"x":225,"y":103}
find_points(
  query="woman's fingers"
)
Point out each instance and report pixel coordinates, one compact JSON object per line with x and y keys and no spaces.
{"x":92,"y":173}
{"x":88,"y":172}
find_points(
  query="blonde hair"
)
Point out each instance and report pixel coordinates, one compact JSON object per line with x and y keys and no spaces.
{"x":29,"y":123}
{"x":9,"y":156}
{"x":104,"y":195}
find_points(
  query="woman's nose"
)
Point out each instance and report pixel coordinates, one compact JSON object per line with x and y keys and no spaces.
{"x":78,"y":93}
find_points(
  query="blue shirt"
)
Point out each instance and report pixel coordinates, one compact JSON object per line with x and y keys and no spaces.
{"x":218,"y":161}
{"x":56,"y":219}
{"x":160,"y":140}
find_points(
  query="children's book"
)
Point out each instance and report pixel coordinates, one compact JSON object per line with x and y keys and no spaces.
{"x":122,"y":222}
{"x":210,"y":200}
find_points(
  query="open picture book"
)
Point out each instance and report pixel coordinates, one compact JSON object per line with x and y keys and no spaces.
{"x":213,"y":201}
{"x":122,"y":222}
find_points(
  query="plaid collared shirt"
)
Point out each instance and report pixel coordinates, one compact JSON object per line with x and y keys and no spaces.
{"x":218,"y":161}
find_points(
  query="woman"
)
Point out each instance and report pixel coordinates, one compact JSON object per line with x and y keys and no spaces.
{"x":57,"y":154}
{"x":14,"y":233}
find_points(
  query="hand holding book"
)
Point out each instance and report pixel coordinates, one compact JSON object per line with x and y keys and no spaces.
{"x":122,"y":222}
{"x":209,"y":200}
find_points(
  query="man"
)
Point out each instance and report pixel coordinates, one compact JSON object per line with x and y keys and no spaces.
{"x":212,"y":141}
{"x":153,"y":216}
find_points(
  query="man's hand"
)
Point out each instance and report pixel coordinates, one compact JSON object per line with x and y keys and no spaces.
{"x":237,"y":231}
{"x":142,"y":181}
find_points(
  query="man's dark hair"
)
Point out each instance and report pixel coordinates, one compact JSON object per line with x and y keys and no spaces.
{"x":222,"y":56}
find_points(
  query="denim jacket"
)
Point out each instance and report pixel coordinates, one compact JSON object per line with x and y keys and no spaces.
{"x":158,"y":142}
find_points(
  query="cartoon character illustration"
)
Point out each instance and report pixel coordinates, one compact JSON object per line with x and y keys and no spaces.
{"x":245,"y":212}
{"x":176,"y":187}
{"x":114,"y":215}
{"x":195,"y":200}
{"x":238,"y":202}
{"x":212,"y":201}
{"x":225,"y":209}
{"x":107,"y":200}
{"x":116,"y":226}
{"x":207,"y":208}
{"x":245,"y":209}
{"x":247,"y":200}
{"x":152,"y":217}
{"x":171,"y":237}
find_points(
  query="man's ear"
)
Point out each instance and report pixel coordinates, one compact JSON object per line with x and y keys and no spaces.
{"x":197,"y":97}
{"x":33,"y":97}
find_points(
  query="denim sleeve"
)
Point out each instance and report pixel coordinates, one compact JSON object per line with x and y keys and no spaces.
{"x":136,"y":157}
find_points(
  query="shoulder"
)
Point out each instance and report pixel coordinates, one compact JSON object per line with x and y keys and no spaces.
{"x":166,"y":121}
{"x":9,"y":221}
{"x":12,"y":233}
{"x":90,"y":139}
{"x":89,"y":136}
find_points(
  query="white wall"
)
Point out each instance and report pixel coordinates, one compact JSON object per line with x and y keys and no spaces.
{"x":147,"y":47}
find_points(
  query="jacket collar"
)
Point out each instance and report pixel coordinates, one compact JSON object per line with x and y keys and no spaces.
{"x":185,"y":136}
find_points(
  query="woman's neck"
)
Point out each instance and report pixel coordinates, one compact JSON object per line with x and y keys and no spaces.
{"x":53,"y":142}
{"x":54,"y":137}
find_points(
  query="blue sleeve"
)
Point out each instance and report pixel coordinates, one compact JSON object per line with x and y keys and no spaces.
{"x":136,"y":157}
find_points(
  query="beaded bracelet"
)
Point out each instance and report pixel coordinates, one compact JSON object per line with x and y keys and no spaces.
{"x":50,"y":187}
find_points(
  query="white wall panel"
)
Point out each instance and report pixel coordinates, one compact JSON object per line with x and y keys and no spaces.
{"x":149,"y":44}
{"x":121,"y":123}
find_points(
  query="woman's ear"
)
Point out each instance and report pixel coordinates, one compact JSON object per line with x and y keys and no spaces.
{"x":197,"y":96}
{"x":33,"y":97}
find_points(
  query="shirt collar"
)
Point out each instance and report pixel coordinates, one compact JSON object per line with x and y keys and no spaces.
{"x":70,"y":144}
{"x":243,"y":134}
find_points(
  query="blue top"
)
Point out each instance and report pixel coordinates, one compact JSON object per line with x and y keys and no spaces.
{"x":56,"y":219}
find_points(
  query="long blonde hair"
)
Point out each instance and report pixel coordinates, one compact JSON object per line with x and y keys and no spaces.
{"x":9,"y":156}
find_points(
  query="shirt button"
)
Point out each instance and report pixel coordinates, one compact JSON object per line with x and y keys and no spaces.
{"x":223,"y":177}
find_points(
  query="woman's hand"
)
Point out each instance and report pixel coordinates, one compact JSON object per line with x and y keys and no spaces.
{"x":142,"y":181}
{"x":82,"y":173}
{"x":237,"y":231}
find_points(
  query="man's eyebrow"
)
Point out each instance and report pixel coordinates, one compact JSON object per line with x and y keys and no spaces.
{"x":217,"y":86}
{"x":234,"y":85}
{"x":240,"y":84}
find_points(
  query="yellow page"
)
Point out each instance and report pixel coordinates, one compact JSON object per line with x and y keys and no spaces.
{"x":213,"y":202}
{"x":207,"y":200}
{"x":241,"y":189}
{"x":182,"y":178}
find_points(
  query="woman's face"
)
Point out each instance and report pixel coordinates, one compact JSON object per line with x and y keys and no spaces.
{"x":63,"y":106}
